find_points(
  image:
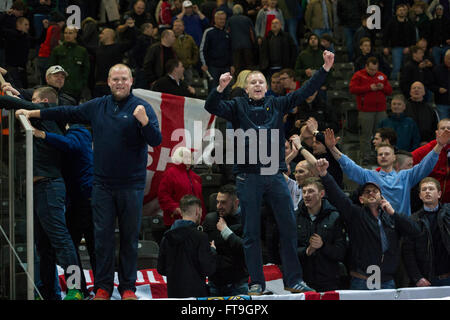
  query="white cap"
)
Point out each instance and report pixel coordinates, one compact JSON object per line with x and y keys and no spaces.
{"x":187,"y":3}
{"x":55,"y":69}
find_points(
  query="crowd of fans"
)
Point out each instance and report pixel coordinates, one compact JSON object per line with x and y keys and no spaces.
{"x":167,"y":44}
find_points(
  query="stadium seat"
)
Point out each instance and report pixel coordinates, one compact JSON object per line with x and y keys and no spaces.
{"x":147,"y":254}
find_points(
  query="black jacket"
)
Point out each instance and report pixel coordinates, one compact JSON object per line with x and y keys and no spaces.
{"x":186,"y":258}
{"x":231,"y":265}
{"x":399,"y":34}
{"x":155,"y":61}
{"x":321,"y":269}
{"x":277,"y":51}
{"x":441,"y":79}
{"x":425,"y":117}
{"x":167,"y":84}
{"x":364,"y":233}
{"x":411,"y":72}
{"x":418,"y":253}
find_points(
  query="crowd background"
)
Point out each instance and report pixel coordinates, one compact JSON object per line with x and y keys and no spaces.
{"x":182,"y":48}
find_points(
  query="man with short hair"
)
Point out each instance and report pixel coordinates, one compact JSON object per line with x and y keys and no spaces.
{"x":186,"y":257}
{"x":255,"y":180}
{"x":416,"y":69}
{"x":427,"y":257}
{"x":216,"y":55}
{"x":123,"y":126}
{"x":157,"y":56}
{"x":374,"y":230}
{"x":186,"y":50}
{"x":440,"y":171}
{"x":321,"y":237}
{"x":398,"y":35}
{"x":173,"y":82}
{"x":395,"y":185}
{"x":53,"y":241}
{"x":441,"y":87}
{"x":384,"y":135}
{"x":406,"y":129}
{"x":421,"y":112}
{"x":370,"y":87}
{"x":224,"y":227}
{"x":276,"y":87}
{"x":75,"y":60}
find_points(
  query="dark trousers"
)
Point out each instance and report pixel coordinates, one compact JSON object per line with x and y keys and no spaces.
{"x":251,"y":188}
{"x":80,"y":224}
{"x":107,"y":205}
{"x":53,"y":241}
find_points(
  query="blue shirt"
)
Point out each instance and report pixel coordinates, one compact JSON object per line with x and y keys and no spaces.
{"x":395,"y":186}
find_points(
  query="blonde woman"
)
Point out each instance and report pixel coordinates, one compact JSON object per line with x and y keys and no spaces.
{"x":238,"y":88}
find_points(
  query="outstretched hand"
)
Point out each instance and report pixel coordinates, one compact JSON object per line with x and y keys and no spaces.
{"x":224,"y":81}
{"x":330,"y":139}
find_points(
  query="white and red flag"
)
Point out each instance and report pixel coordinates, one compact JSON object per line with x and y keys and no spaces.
{"x":183,"y":122}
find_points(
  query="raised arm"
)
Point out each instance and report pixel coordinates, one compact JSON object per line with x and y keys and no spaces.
{"x":215,"y":104}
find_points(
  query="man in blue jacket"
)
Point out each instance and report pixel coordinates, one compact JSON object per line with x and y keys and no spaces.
{"x":123,"y":127}
{"x":262,"y":116}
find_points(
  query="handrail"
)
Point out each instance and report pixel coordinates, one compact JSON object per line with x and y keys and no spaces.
{"x":29,"y":202}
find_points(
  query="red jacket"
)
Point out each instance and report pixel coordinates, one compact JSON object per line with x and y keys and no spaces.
{"x":176,"y":183}
{"x":441,"y":169}
{"x":51,"y":40}
{"x":368,"y":100}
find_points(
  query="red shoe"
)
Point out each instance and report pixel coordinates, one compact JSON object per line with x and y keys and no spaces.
{"x":128,"y":295}
{"x":101,"y":295}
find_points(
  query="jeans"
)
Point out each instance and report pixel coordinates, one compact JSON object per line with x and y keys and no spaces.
{"x":438,"y":54}
{"x":231,"y":289}
{"x":443,"y":111}
{"x":397,"y":59}
{"x":251,"y":188}
{"x":349,"y":33}
{"x":53,"y":241}
{"x":361,"y":284}
{"x":291,"y":27}
{"x":126,"y":205}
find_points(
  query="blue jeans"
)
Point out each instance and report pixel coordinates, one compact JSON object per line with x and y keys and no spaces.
{"x":126,"y":205}
{"x":443,"y":110}
{"x":361,"y":284}
{"x":251,"y":188}
{"x":53,"y":241}
{"x":349,"y":33}
{"x":291,"y":27}
{"x":232,"y":289}
{"x":438,"y":54}
{"x":397,"y":59}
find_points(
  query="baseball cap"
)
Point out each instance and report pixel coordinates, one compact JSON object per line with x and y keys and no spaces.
{"x":361,"y":188}
{"x":187,"y":3}
{"x":55,"y":69}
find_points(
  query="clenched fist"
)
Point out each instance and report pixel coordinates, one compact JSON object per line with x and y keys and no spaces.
{"x":140,"y":114}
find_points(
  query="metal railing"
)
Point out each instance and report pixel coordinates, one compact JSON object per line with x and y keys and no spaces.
{"x":29,"y":269}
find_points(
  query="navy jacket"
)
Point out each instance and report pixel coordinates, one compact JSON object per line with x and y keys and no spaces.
{"x":77,"y":160}
{"x":267,"y":113}
{"x":215,"y":49}
{"x":120,"y":142}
